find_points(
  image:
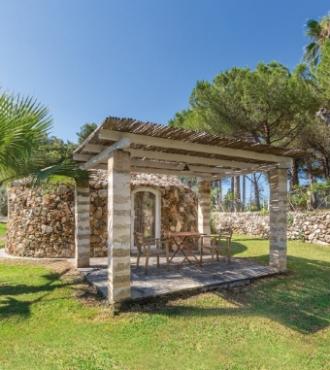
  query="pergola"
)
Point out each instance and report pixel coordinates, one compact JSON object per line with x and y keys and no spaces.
{"x":122,"y":146}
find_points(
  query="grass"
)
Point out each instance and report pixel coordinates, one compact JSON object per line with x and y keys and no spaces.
{"x":278,"y":323}
{"x":2,"y":234}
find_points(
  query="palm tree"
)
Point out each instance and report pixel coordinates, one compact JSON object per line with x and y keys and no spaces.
{"x":23,"y":126}
{"x":318,"y":32}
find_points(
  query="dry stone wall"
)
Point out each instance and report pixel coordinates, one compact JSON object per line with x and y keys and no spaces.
{"x":309,"y":226}
{"x":41,"y":220}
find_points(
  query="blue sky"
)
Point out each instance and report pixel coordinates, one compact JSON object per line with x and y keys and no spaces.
{"x":138,"y":58}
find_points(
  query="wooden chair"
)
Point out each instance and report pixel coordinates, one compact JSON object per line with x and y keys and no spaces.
{"x":147,"y":247}
{"x":214,"y":243}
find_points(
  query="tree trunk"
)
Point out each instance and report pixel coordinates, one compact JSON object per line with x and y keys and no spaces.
{"x":267,"y":133}
{"x":219,"y":197}
{"x":243,"y":192}
{"x":310,"y":173}
{"x":237,"y":193}
{"x":311,"y":202}
{"x":232,"y":189}
{"x":256,"y":192}
{"x":326,"y":165}
{"x":294,"y":179}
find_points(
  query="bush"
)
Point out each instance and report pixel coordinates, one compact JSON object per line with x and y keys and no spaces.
{"x":290,"y":219}
{"x":228,"y":202}
{"x":321,"y":192}
{"x":298,"y":198}
{"x":314,"y":196}
{"x":264,"y":211}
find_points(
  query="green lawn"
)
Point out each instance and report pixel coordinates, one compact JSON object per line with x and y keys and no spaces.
{"x":2,"y":234}
{"x":279,"y":323}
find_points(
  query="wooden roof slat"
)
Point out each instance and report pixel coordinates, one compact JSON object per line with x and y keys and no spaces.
{"x":177,"y":145}
{"x":128,"y":126}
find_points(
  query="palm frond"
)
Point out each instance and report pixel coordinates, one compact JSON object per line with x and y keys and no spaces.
{"x":313,"y":29}
{"x":24,"y":124}
{"x":66,"y":168}
{"x":39,"y":171}
{"x":312,"y":53}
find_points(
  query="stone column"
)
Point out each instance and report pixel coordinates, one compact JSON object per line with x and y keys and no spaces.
{"x":82,"y":225}
{"x":278,"y":204}
{"x":119,"y":227}
{"x":204,"y":206}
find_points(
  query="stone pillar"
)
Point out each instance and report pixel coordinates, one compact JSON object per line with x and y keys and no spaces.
{"x":278,"y":204}
{"x":204,"y":206}
{"x":82,"y":225}
{"x":119,"y":227}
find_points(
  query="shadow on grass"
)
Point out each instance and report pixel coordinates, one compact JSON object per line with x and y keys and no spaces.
{"x":258,"y":239}
{"x":11,"y":306}
{"x":237,"y":248}
{"x":299,"y":299}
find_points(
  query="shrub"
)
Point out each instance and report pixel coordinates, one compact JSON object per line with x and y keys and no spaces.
{"x":298,"y":198}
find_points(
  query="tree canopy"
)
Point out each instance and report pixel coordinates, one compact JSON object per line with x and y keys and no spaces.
{"x":266,"y":105}
{"x":323,"y":73}
{"x":85,"y":131}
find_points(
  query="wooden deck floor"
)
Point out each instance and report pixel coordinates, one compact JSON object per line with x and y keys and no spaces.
{"x":179,"y":278}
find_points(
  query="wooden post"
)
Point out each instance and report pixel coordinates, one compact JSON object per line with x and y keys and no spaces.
{"x":278,"y":181}
{"x":82,"y":225}
{"x":119,"y":227}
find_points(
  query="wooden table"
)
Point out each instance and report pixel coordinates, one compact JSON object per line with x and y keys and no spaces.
{"x":184,"y":246}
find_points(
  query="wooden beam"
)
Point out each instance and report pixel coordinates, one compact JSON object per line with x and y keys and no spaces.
{"x":209,"y":175}
{"x":191,"y":170}
{"x":82,"y":157}
{"x":101,"y":166}
{"x":229,"y":171}
{"x":205,"y":169}
{"x":177,"y":158}
{"x":93,"y":148}
{"x":138,"y":163}
{"x":106,"y":153}
{"x":189,"y":159}
{"x":199,"y":171}
{"x":153,"y":164}
{"x":157,"y":164}
{"x":164,"y":171}
{"x":106,"y":134}
{"x":212,"y":170}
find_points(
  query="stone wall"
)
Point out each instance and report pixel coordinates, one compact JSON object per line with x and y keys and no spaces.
{"x":179,"y":209}
{"x":309,"y":226}
{"x":98,"y":215}
{"x":41,"y":220}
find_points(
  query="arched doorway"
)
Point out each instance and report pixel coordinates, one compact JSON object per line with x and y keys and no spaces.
{"x":146,"y":212}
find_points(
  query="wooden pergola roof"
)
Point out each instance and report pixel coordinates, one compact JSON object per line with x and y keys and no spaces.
{"x":162,"y":149}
